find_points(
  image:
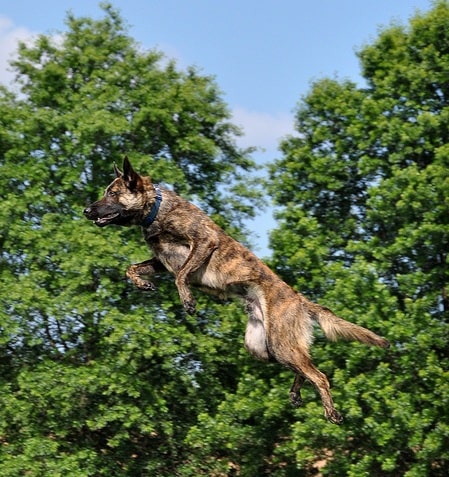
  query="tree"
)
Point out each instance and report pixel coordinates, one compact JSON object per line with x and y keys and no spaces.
{"x":362,"y":190}
{"x":96,"y":377}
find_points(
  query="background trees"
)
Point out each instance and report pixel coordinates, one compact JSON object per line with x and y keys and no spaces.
{"x":98,"y":378}
{"x":363,"y":227}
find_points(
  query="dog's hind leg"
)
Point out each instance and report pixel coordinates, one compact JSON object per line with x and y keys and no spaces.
{"x":294,"y":355}
{"x":295,"y":390}
{"x":319,"y":380}
{"x":149,"y":267}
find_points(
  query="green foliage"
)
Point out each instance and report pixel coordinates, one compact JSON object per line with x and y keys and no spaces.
{"x":97,"y":378}
{"x":363,"y":227}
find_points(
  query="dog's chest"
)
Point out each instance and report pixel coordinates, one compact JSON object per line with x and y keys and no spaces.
{"x":171,"y":251}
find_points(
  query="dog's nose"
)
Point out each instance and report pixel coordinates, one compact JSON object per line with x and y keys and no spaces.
{"x":87,"y":211}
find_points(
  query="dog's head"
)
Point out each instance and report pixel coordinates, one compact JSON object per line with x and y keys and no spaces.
{"x":125,"y":199}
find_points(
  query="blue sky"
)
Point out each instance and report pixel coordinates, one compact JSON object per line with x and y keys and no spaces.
{"x":263,"y":53}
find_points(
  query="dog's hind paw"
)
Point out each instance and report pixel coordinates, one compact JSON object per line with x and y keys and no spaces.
{"x":295,"y":399}
{"x":334,"y":417}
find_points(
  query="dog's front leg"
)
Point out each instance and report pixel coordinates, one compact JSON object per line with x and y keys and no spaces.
{"x":147,"y":268}
{"x":200,"y":252}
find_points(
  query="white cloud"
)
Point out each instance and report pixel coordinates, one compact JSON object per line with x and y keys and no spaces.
{"x":10,"y":35}
{"x":261,"y":129}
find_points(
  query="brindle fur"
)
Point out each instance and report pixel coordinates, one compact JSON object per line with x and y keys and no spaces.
{"x":189,"y":245}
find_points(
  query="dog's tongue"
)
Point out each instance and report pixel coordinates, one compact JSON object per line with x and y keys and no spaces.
{"x":102,"y":221}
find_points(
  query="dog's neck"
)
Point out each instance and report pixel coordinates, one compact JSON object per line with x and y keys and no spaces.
{"x":150,"y":218}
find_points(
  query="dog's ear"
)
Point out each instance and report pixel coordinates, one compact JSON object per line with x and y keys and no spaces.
{"x":117,"y":171}
{"x":130,"y":176}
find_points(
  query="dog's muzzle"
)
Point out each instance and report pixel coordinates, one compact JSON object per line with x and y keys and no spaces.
{"x":101,"y":217}
{"x":87,"y":212}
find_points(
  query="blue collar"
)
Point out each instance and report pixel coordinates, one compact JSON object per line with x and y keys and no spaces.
{"x":149,"y":219}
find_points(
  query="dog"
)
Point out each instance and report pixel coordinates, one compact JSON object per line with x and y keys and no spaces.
{"x":186,"y":243}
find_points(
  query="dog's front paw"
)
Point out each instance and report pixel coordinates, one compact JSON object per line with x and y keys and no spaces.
{"x":189,"y":306}
{"x":146,"y":285}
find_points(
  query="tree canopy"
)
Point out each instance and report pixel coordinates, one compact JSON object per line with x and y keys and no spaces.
{"x":363,"y":191}
{"x":98,"y":378}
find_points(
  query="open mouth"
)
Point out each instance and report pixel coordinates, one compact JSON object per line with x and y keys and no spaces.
{"x":102,"y":221}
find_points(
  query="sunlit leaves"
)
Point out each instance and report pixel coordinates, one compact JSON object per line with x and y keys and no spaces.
{"x":98,"y":378}
{"x":363,"y":225}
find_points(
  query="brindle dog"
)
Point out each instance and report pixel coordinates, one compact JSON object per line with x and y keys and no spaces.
{"x":188,"y":244}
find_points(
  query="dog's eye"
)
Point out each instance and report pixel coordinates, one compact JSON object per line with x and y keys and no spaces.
{"x":111,"y":193}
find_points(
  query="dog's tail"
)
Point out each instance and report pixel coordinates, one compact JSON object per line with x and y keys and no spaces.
{"x":335,"y":327}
